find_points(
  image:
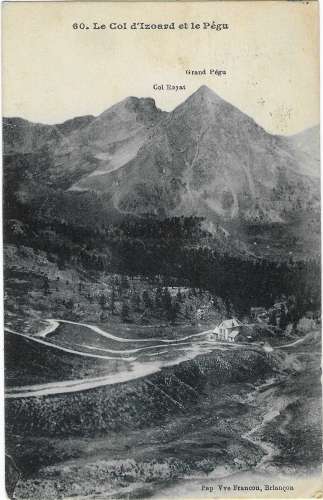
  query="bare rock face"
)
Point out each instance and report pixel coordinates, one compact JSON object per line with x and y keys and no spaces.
{"x":204,"y":158}
{"x":115,"y":137}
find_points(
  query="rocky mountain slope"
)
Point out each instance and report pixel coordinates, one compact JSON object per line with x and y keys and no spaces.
{"x":306,"y":147}
{"x":204,"y":158}
{"x":208,"y":158}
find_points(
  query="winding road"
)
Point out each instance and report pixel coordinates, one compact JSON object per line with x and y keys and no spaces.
{"x":136,"y":369}
{"x":108,"y":335}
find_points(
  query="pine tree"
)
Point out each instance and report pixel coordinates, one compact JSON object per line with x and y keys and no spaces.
{"x":272,"y":317}
{"x":283,"y":321}
{"x":168,"y":306}
{"x":124,"y":284}
{"x":135,"y":301}
{"x":158,"y":297}
{"x":46,"y":286}
{"x":102,"y":300}
{"x":175,"y":311}
{"x":125,"y":311}
{"x":146,"y":299}
{"x":112,"y":300}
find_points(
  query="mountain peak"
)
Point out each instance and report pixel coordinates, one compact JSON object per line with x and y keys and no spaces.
{"x":203,"y":100}
{"x":140,"y":106}
{"x":205,"y":90}
{"x":206,"y":97}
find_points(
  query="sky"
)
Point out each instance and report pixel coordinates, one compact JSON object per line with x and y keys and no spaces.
{"x":52,"y":72}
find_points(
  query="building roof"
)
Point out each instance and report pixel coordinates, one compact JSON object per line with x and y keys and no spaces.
{"x":230,"y":323}
{"x":233,"y":334}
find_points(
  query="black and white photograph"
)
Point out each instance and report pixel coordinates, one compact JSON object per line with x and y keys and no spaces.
{"x":161,"y":250}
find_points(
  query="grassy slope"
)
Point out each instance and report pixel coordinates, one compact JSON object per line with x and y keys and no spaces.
{"x":30,"y":363}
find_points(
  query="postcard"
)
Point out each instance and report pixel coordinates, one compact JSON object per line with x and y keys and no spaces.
{"x":161,"y":222}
